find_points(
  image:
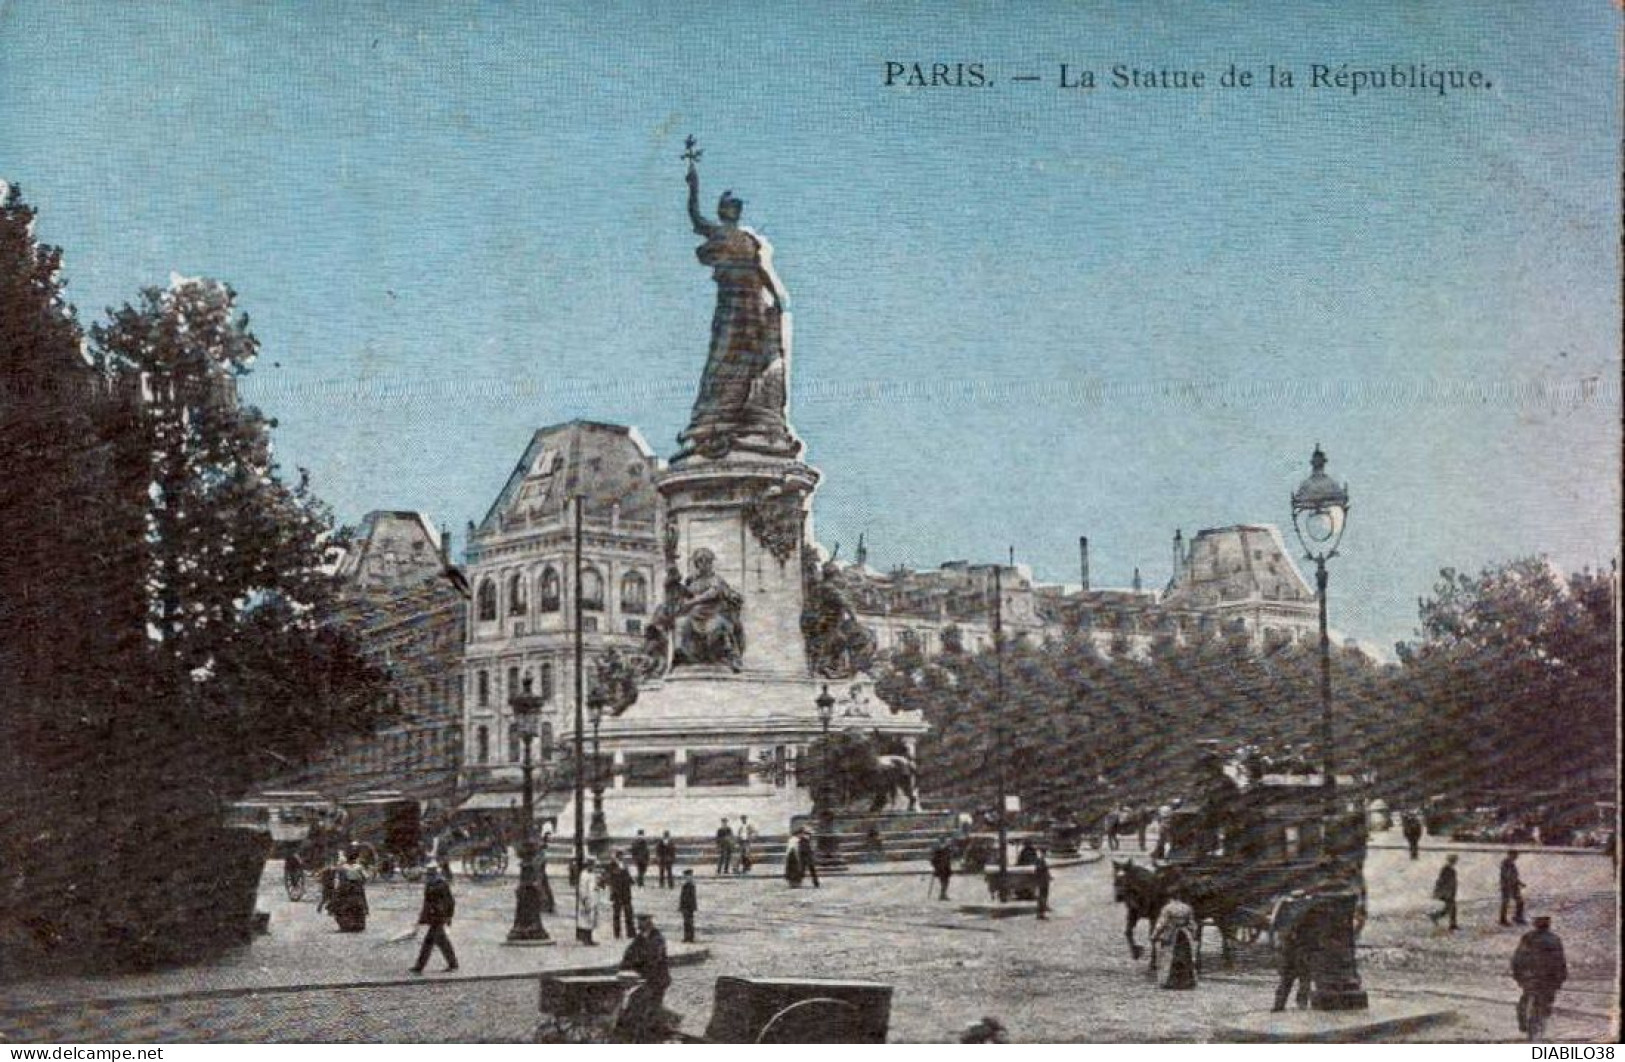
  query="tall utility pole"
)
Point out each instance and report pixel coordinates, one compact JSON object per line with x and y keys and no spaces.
{"x":998,"y":723}
{"x":581,"y":722}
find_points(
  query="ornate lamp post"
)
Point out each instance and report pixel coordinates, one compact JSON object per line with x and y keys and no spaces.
{"x":826,"y":809}
{"x":527,"y":914}
{"x":1320,"y":509}
{"x":598,"y":829}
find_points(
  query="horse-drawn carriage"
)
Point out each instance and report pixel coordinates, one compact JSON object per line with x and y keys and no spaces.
{"x":1234,"y":855}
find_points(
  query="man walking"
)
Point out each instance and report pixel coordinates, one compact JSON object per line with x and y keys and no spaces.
{"x":688,"y":903}
{"x":1444,"y":890}
{"x":1294,"y":951}
{"x":666,"y":859}
{"x":942,"y":867}
{"x":725,"y":848}
{"x":587,"y":886}
{"x":640,"y":856}
{"x":619,"y":880}
{"x":438,"y":907}
{"x":1511,"y":889}
{"x":746,"y":836}
{"x":1111,"y":830}
{"x":1410,"y":823}
{"x":1041,"y":876}
{"x":1540,"y":970}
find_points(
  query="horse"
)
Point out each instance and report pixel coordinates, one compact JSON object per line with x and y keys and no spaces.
{"x":1142,"y":891}
{"x":900,"y":778}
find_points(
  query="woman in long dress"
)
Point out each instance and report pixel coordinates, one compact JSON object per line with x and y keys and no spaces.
{"x":1175,"y":934}
{"x":349,"y":903}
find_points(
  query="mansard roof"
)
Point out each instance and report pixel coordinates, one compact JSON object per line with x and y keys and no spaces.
{"x":1237,"y":563}
{"x":392,"y":548}
{"x":610,"y":465}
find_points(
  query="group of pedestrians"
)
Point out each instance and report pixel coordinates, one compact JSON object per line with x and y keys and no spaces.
{"x":615,"y":878}
{"x":736,"y":848}
{"x":1447,"y":886}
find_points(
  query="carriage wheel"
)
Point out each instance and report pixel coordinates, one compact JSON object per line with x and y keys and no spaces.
{"x":488,"y":864}
{"x":813,"y":1021}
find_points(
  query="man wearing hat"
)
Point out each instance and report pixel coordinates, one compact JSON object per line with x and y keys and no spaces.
{"x":646,"y":956}
{"x":618,"y":879}
{"x":438,"y":907}
{"x":1540,"y":970}
{"x":1444,"y":890}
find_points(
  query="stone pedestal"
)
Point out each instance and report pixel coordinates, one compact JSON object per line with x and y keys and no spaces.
{"x":751,"y":513}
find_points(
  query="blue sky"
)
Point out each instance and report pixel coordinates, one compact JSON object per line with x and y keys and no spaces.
{"x":1021,"y":314}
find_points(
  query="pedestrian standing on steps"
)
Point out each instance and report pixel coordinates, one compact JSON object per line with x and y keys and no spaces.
{"x":725,"y":848}
{"x":1294,"y":952}
{"x":666,"y":859}
{"x":438,"y":907}
{"x":640,"y":856}
{"x":747,"y":838}
{"x":1444,"y":890}
{"x":688,"y":903}
{"x":1511,"y":889}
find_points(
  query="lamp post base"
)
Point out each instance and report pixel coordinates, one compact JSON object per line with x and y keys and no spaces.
{"x":598,"y":830}
{"x":527,"y":911}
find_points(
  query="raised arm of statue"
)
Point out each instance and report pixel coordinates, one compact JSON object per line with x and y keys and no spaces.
{"x":702,"y":225}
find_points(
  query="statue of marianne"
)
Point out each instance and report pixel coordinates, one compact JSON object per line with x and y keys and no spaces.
{"x":742,"y":399}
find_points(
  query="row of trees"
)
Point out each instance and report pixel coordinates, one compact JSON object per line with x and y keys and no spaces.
{"x":166,"y":634}
{"x":1510,"y":685}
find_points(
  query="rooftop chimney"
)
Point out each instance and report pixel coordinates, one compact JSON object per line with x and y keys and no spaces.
{"x":1083,"y":559}
{"x":1137,"y":584}
{"x":1179,"y":552}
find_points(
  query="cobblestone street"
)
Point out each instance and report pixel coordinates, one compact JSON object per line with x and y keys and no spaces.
{"x":1069,"y":979}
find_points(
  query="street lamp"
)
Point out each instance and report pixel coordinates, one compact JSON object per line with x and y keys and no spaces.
{"x":1320,"y":508}
{"x":527,"y":914}
{"x":598,"y":830}
{"x":826,"y":810}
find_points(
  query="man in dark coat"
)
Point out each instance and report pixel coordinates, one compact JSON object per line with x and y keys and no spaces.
{"x":1511,"y":889}
{"x":725,"y":848}
{"x":1294,"y":948}
{"x":618,"y":879}
{"x":1540,"y":969}
{"x":687,"y":904}
{"x":665,"y":859}
{"x":1444,"y":890}
{"x":438,"y":907}
{"x":942,"y":867}
{"x":1028,"y":856}
{"x":1041,"y":876}
{"x":1411,"y":825}
{"x":641,"y":1020}
{"x":804,"y":854}
{"x":640,"y":856}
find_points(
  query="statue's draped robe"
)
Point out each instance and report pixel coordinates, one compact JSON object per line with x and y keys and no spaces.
{"x":742,"y":396}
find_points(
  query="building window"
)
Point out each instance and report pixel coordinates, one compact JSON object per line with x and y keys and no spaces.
{"x":513,"y":681}
{"x":634,"y":595}
{"x":650,"y":770}
{"x":482,"y":689}
{"x":549,"y":590}
{"x":515,"y":754}
{"x":517,"y":603}
{"x":592,"y":590}
{"x":547,"y":682}
{"x":726,"y":768}
{"x":487,"y":601}
{"x":589,"y":624}
{"x":634,"y":626}
{"x":482,"y":745}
